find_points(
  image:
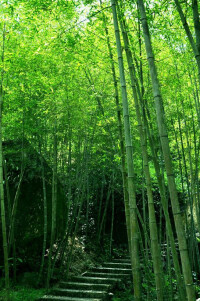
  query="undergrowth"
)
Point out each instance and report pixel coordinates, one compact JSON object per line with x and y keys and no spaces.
{"x":126,"y":295}
{"x":20,"y":293}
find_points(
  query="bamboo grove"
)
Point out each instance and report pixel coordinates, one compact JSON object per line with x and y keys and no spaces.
{"x":106,"y":93}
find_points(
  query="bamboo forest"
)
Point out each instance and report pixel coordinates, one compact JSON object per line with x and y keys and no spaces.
{"x":100,"y":150}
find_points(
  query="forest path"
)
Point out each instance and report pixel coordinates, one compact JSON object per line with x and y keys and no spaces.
{"x":96,"y":284}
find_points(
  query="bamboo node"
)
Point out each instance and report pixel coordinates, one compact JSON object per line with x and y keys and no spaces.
{"x":163,"y":136}
{"x":183,"y":250}
{"x":189,"y":284}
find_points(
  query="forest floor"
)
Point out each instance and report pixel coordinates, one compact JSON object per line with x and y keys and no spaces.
{"x":20,"y":293}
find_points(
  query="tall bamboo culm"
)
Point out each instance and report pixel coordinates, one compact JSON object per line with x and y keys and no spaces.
{"x":54,"y":203}
{"x":120,"y":131}
{"x":187,"y":273}
{"x":3,"y":215}
{"x":155,"y":247}
{"x":129,"y":154}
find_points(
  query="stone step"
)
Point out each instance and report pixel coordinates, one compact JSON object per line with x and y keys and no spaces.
{"x":104,"y":275}
{"x":93,"y":285}
{"x":78,"y":293}
{"x":123,"y":265}
{"x":111,"y":270}
{"x":61,"y":298}
{"x":96,"y":279}
{"x":82,"y":285}
{"x":124,"y":260}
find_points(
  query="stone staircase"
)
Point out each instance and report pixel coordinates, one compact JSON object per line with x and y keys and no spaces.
{"x":96,"y":284}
